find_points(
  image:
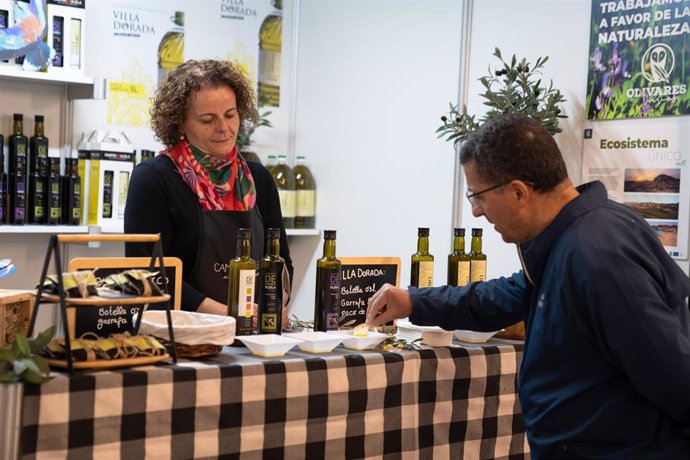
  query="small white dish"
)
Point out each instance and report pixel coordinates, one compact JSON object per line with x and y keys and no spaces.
{"x":473,"y":336}
{"x":315,"y":341}
{"x":354,"y":342}
{"x":268,"y":345}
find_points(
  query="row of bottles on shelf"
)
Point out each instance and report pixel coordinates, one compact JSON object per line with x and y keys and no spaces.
{"x":463,"y":268}
{"x":297,"y":191}
{"x":33,"y":191}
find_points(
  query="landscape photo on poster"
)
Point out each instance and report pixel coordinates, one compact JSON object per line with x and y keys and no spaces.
{"x":666,"y":230}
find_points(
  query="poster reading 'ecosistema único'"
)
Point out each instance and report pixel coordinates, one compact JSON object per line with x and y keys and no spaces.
{"x":645,"y":167}
{"x":639,"y":59}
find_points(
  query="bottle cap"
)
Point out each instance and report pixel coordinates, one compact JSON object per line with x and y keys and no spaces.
{"x":423,"y":231}
{"x":300,"y":157}
{"x":476,"y":232}
{"x":329,"y":234}
{"x":459,"y":232}
{"x":244,"y":233}
{"x":38,"y":118}
{"x":274,"y":233}
{"x":18,"y":117}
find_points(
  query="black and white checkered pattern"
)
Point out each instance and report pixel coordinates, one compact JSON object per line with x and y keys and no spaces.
{"x":456,"y":402}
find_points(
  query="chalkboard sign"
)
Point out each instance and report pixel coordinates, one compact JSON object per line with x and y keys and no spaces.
{"x":117,"y":319}
{"x":360,"y":278}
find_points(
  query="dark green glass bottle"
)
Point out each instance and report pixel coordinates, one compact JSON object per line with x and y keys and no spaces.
{"x":17,"y":166}
{"x":477,"y":257}
{"x":3,"y":183}
{"x":327,"y":301}
{"x":38,"y":161}
{"x":458,"y":260}
{"x":422,"y":266}
{"x":271,"y":286}
{"x":71,"y":193}
{"x":54,"y":192}
{"x":241,"y":284}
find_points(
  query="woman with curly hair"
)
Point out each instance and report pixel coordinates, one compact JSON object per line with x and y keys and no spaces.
{"x":199,"y":190}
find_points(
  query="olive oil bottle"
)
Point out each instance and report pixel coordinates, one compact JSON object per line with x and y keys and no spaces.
{"x":38,"y":161}
{"x":3,"y":183}
{"x":458,"y":260}
{"x":270,"y":286}
{"x":17,"y":165}
{"x":422,"y":267}
{"x":241,"y":285}
{"x":171,"y":47}
{"x":270,"y":46}
{"x":285,"y":182}
{"x":71,"y":193}
{"x":477,"y":257}
{"x":54,"y":192}
{"x":305,"y":189}
{"x":327,"y":301}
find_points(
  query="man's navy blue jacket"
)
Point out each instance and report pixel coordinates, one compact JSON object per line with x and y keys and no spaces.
{"x":606,"y":367}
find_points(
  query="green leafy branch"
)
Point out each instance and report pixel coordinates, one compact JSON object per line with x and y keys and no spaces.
{"x":22,"y":361}
{"x":512,"y":87}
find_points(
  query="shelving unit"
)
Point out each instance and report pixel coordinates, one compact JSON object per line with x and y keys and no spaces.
{"x":302,"y":231}
{"x":90,"y":302}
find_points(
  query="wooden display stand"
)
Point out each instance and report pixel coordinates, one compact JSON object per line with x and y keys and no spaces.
{"x":63,"y":302}
{"x":15,"y":313}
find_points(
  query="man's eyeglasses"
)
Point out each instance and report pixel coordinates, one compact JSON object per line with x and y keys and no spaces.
{"x":472,"y":196}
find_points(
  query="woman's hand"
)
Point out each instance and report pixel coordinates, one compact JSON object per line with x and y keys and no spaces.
{"x":208,"y":305}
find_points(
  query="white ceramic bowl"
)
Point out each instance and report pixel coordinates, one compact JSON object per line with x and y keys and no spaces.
{"x":473,"y":336}
{"x":316,"y":341}
{"x":354,"y":342}
{"x":268,"y":345}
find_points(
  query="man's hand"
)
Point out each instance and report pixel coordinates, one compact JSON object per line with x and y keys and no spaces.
{"x":387,"y":304}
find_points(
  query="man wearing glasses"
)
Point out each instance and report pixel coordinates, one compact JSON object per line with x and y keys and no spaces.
{"x":606,"y":367}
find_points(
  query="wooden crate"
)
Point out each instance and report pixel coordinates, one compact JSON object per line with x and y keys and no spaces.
{"x":15,"y":314}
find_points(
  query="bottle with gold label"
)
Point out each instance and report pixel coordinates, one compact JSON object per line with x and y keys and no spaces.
{"x":327,"y":301}
{"x":171,"y":47}
{"x":477,"y":257}
{"x":270,"y":45}
{"x":458,"y":260}
{"x":285,"y":182}
{"x":305,"y":187}
{"x":270,"y":286}
{"x":422,"y":269}
{"x":241,"y":284}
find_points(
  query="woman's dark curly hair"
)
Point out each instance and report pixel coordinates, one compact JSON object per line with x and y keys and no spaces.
{"x":172,"y":98}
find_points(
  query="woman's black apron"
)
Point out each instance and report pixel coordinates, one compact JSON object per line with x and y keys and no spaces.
{"x":217,"y":246}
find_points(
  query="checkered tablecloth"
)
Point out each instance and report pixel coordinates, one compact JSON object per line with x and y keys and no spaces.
{"x":451,"y":402}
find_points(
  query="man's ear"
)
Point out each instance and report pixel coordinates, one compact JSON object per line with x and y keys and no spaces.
{"x":522,"y":191}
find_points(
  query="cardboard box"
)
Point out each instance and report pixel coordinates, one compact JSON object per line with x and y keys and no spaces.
{"x":15,"y":314}
{"x":106,"y":160}
{"x":66,"y":33}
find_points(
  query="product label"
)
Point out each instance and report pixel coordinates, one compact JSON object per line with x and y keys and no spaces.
{"x":245,"y":296}
{"x":288,"y":200}
{"x":426,"y":274}
{"x":306,"y":203}
{"x":328,"y":297}
{"x":477,"y":270}
{"x":463,"y":272}
{"x":20,"y":202}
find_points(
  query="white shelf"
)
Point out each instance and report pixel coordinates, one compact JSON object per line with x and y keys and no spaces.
{"x":10,"y":73}
{"x":302,"y":231}
{"x":6,"y":228}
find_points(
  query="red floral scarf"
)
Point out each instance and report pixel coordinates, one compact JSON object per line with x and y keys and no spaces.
{"x":220,"y":184}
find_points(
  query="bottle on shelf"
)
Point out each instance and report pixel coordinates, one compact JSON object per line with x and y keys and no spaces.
{"x":458,"y":260}
{"x":241,"y":284}
{"x":270,"y":45}
{"x":146,"y":155}
{"x":54,"y":192}
{"x":477,"y":257}
{"x":305,"y":188}
{"x":271,"y":161}
{"x":422,"y":267}
{"x":71,"y":193}
{"x":250,"y":155}
{"x":270,"y":286}
{"x":171,"y":47}
{"x":285,"y":182}
{"x":38,"y":160}
{"x":17,"y":166}
{"x":3,"y":182}
{"x":327,"y":301}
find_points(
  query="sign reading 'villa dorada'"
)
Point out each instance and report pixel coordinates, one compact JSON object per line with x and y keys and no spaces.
{"x":639,"y":62}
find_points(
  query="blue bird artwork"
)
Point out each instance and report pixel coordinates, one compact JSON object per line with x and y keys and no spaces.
{"x":25,"y":37}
